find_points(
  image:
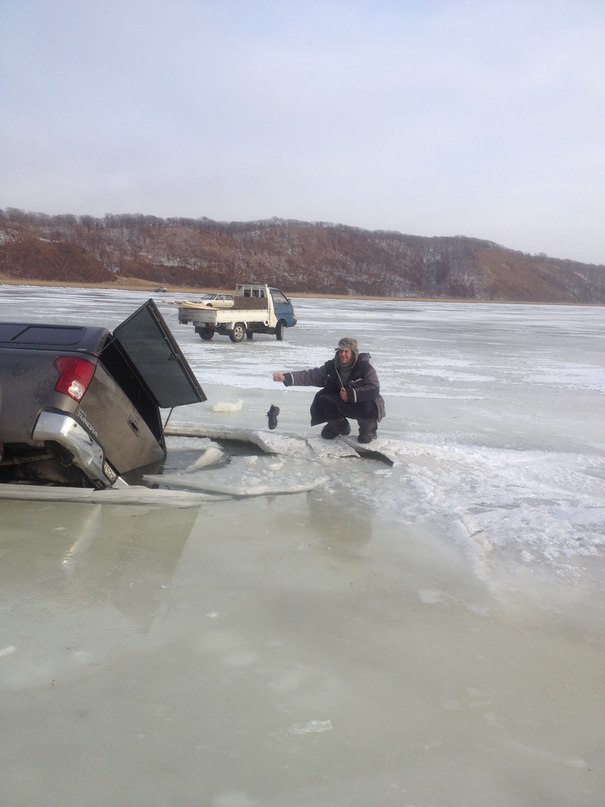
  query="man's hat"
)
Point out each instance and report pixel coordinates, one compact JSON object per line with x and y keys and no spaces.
{"x":348,"y":343}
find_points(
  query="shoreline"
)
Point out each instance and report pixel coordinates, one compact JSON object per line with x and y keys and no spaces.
{"x":138,"y":284}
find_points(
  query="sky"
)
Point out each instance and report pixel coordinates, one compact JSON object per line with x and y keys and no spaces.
{"x":483,"y":118}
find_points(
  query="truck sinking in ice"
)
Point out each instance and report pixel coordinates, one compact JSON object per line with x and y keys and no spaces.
{"x":81,"y":406}
{"x":257,"y":308}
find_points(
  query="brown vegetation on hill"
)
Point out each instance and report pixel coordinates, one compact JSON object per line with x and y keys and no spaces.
{"x":299,"y":257}
{"x":28,"y":257}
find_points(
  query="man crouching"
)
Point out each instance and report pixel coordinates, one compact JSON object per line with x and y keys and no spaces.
{"x":350,"y":389}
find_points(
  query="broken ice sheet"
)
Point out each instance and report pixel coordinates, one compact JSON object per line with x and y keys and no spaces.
{"x":247,"y":476}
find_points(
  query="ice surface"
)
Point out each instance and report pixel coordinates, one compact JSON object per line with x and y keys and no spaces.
{"x":423,"y":633}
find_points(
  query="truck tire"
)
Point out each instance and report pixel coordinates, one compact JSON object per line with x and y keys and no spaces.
{"x":279,"y":330}
{"x":238,"y":332}
{"x":206,"y":334}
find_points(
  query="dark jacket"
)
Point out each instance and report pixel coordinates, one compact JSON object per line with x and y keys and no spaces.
{"x":362,"y":384}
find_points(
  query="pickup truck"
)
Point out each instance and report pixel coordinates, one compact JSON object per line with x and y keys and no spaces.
{"x":257,"y":308}
{"x":80,"y":406}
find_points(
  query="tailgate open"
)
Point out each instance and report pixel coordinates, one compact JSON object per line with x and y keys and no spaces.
{"x":152,"y":349}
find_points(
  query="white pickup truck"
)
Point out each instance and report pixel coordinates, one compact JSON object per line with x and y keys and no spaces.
{"x":257,"y":308}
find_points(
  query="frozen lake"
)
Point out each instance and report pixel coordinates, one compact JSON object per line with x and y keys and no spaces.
{"x":426,"y":634}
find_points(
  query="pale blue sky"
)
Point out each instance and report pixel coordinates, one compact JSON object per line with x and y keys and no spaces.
{"x":481,"y":118}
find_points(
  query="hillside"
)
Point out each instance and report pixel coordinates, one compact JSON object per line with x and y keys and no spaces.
{"x":299,"y":257}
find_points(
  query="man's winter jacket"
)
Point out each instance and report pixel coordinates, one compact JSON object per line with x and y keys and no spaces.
{"x":362,"y":384}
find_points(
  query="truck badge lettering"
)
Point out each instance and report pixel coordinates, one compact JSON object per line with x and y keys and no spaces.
{"x":87,"y":423}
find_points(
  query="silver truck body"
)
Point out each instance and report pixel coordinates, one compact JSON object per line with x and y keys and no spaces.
{"x":82,"y":406}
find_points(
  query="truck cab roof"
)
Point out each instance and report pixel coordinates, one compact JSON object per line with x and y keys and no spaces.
{"x":80,"y":338}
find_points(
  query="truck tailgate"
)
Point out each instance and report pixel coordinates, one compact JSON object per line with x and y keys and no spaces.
{"x":146,"y":339}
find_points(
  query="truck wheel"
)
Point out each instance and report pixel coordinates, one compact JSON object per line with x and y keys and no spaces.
{"x":279,"y":330}
{"x":206,"y":334}
{"x":238,"y":332}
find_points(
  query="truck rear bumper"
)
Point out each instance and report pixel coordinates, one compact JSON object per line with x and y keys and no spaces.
{"x":87,"y":454}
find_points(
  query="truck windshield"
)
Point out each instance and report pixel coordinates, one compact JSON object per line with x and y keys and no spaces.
{"x":278,"y":297}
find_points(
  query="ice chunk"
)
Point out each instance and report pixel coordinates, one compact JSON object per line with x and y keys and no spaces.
{"x":228,"y":406}
{"x":213,"y":455}
{"x":311,"y":727}
{"x":250,"y":487}
{"x":135,"y":494}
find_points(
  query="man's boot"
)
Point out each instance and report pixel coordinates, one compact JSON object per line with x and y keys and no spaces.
{"x":367,"y":429}
{"x":335,"y":427}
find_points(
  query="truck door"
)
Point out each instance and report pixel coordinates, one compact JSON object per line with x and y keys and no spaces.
{"x":283,"y":307}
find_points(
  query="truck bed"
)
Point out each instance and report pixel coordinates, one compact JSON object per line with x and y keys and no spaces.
{"x":247,"y":309}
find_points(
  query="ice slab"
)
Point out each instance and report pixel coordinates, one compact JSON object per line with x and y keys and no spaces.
{"x":247,"y":476}
{"x":135,"y":494}
{"x":330,"y":448}
{"x":377,"y":450}
{"x":289,"y":444}
{"x":250,"y":488}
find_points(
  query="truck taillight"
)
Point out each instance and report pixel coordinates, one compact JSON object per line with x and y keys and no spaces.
{"x":76,"y":375}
